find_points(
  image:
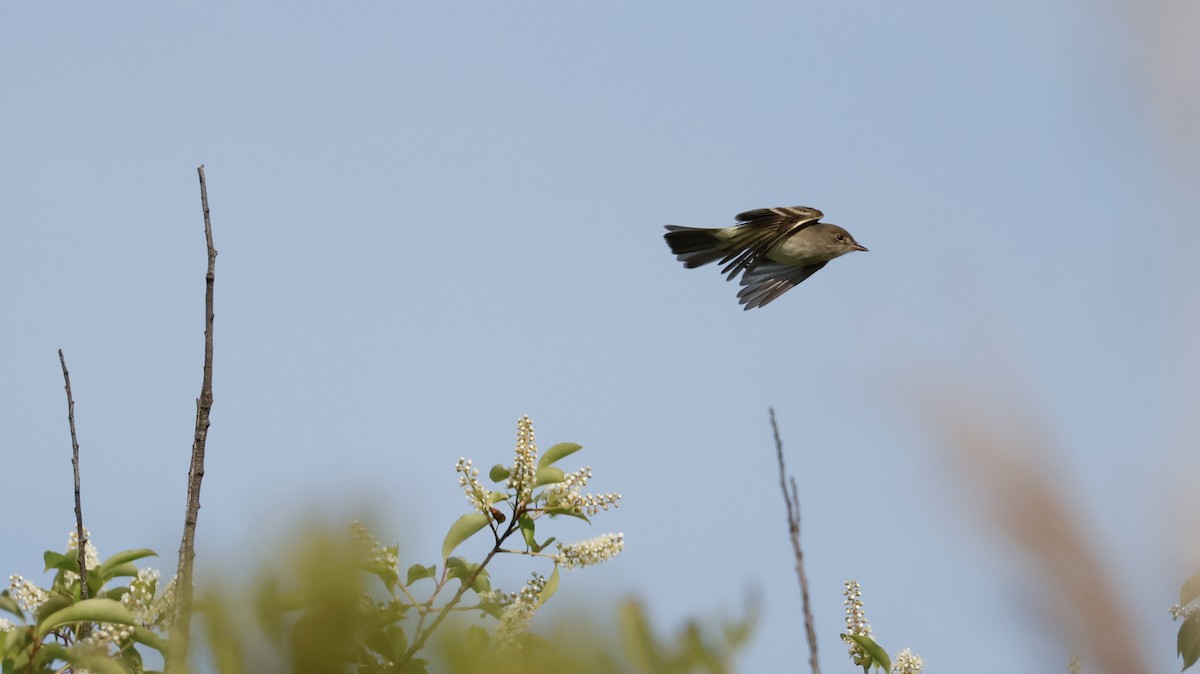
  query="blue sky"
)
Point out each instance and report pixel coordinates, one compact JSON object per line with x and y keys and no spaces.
{"x":434,"y":218}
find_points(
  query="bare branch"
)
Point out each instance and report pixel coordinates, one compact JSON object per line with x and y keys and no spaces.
{"x":80,"y":535}
{"x":791,"y":500}
{"x":187,"y":552}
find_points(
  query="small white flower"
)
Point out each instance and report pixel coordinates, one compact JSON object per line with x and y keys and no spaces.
{"x":908,"y":663}
{"x":566,"y":495}
{"x":163,"y":606}
{"x":589,"y":553}
{"x":107,"y":633}
{"x":140,"y":597}
{"x":377,"y":552}
{"x":518,"y":612}
{"x":1178,"y":611}
{"x":524,"y":472}
{"x":856,"y":621}
{"x":91,"y":556}
{"x":856,"y":615}
{"x":27,"y":595}
{"x":479,"y":496}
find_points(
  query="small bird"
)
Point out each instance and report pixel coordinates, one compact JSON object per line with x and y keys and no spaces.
{"x":773,"y":249}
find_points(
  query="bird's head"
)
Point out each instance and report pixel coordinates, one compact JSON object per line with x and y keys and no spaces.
{"x":837,"y":241}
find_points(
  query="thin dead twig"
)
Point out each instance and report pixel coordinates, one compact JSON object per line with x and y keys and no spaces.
{"x":187,"y":551}
{"x":80,"y":533}
{"x":791,"y":500}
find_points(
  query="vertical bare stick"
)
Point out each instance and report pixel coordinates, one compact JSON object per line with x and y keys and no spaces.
{"x":187,"y":551}
{"x":791,"y":500}
{"x":80,"y":536}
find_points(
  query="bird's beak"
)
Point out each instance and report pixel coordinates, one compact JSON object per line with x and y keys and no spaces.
{"x":859,"y":246}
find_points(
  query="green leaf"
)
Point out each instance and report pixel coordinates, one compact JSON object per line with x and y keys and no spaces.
{"x":388,"y":640}
{"x":494,"y":610}
{"x":88,"y":610}
{"x":54,"y":603}
{"x":398,"y":638}
{"x":415,"y":666}
{"x":88,"y":659}
{"x":108,"y":567}
{"x":417,"y":572}
{"x":878,"y":656}
{"x":9,"y":604}
{"x":477,"y":639}
{"x":148,"y":638}
{"x":47,"y":654}
{"x":119,"y":571}
{"x":550,"y":588}
{"x":497,"y":496}
{"x":538,"y":547}
{"x":549,"y":475}
{"x":384,"y":572}
{"x":499,"y":473}
{"x":131,"y":660}
{"x":15,"y":640}
{"x":57,"y":560}
{"x":457,"y":567}
{"x":270,"y":605}
{"x":527,"y":527}
{"x":559,"y":451}
{"x":1188,"y":642}
{"x":1190,"y":590}
{"x":95,"y":582}
{"x":643,"y":647}
{"x":483,"y":583}
{"x":461,"y":530}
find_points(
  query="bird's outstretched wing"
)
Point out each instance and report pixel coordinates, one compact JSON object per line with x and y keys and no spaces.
{"x":760,"y":230}
{"x":769,"y":280}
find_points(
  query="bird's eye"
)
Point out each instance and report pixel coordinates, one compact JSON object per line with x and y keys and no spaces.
{"x":841,"y":237}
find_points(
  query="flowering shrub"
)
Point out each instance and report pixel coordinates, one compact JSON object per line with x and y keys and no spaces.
{"x":54,"y":626}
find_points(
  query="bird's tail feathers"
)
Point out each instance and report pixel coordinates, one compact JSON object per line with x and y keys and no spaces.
{"x":695,"y":246}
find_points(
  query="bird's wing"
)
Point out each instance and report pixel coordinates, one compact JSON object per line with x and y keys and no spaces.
{"x":766,"y":216}
{"x":760,"y":230}
{"x":770,"y":280}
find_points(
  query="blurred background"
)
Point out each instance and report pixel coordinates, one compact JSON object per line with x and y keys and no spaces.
{"x":434,"y":218}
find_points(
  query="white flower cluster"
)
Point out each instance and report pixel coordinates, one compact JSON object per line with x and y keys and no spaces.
{"x":856,"y":615}
{"x":566,"y":494}
{"x":518,"y":612}
{"x":91,"y":556}
{"x":388,"y":556}
{"x":141,"y":602}
{"x":477,"y":494}
{"x":589,"y":553}
{"x":164,"y":607}
{"x":5,"y":625}
{"x":524,"y":472}
{"x":495,"y":597}
{"x":856,"y":620}
{"x":27,"y":595}
{"x":107,"y":633}
{"x":1184,"y":612}
{"x":140,"y":596}
{"x":908,"y":663}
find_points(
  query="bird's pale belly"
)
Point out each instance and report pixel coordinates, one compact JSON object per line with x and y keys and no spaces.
{"x":794,"y":252}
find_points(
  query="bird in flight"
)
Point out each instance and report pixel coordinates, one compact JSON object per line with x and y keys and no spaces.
{"x":773,"y":249}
